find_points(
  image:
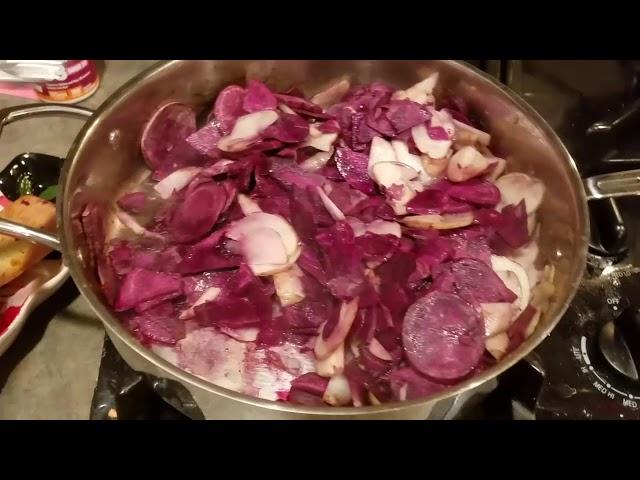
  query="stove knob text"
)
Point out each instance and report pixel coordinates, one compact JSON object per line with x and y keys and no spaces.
{"x":619,"y":343}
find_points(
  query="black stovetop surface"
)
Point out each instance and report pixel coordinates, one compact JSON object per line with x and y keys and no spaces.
{"x":124,"y":394}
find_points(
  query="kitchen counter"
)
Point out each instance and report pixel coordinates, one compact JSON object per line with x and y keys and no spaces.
{"x":51,"y":369}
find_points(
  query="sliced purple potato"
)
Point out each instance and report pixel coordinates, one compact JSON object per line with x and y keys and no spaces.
{"x":170,"y":125}
{"x":443,"y":336}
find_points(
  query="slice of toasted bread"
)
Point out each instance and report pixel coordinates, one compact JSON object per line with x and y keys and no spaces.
{"x":17,"y":255}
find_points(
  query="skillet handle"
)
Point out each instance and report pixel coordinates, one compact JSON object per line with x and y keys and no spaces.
{"x":23,"y":112}
{"x":613,"y":185}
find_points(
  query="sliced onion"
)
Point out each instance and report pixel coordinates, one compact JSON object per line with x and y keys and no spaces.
{"x":129,"y":222}
{"x":358,"y":226}
{"x":374,"y":280}
{"x":497,"y":345}
{"x":247,"y":205}
{"x":383,"y":227}
{"x":388,"y":174}
{"x":516,"y":186}
{"x":526,"y":257}
{"x":376,"y":348}
{"x":531,"y":223}
{"x":533,"y":323}
{"x":217,"y":168}
{"x":262,"y":220}
{"x":421,"y":92}
{"x":511,"y":282}
{"x":534,"y":275}
{"x":264,"y":251}
{"x":288,"y":286}
{"x":331,"y":207}
{"x":400,"y":206}
{"x":267,"y":241}
{"x":317,"y":161}
{"x":468,"y":135}
{"x":337,"y":392}
{"x":439,"y":222}
{"x":373,"y":399}
{"x":395,"y":175}
{"x":465,"y":164}
{"x":293,"y":258}
{"x":241,"y":334}
{"x":503,"y":264}
{"x":385,"y":169}
{"x":176,"y":181}
{"x":355,"y":350}
{"x":416,"y":185}
{"x":499,"y":165}
{"x":412,"y":161}
{"x":333,"y":364}
{"x":402,"y":392}
{"x":434,"y":166}
{"x":381,"y":151}
{"x":246,"y":130}
{"x":497,"y":317}
{"x":320,"y":141}
{"x":209,"y":295}
{"x":286,"y":109}
{"x":442,"y":119}
{"x":543,"y":292}
{"x":427,"y":145}
{"x":331,"y":95}
{"x":324,"y":346}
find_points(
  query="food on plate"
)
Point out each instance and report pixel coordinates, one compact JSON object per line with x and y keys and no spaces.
{"x":17,"y":255}
{"x":361,"y":247}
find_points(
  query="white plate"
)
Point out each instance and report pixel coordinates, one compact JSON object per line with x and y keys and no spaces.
{"x":21,"y":296}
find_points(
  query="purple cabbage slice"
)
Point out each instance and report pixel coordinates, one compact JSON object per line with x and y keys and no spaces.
{"x":512,"y":226}
{"x":205,"y":140}
{"x":405,"y":114}
{"x":160,"y":324}
{"x":289,"y":128}
{"x":477,"y":283}
{"x":475,"y":191}
{"x":140,"y":286}
{"x":436,"y":202}
{"x":303,"y":106}
{"x":121,"y":256}
{"x":228,"y":312}
{"x":205,"y":255}
{"x":353,"y":167}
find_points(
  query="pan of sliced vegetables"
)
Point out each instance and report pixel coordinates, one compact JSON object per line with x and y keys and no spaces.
{"x":321,"y":239}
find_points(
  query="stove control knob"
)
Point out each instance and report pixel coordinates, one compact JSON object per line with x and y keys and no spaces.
{"x":619,"y":343}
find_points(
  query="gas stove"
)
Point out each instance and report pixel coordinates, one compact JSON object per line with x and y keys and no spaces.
{"x":588,"y":368}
